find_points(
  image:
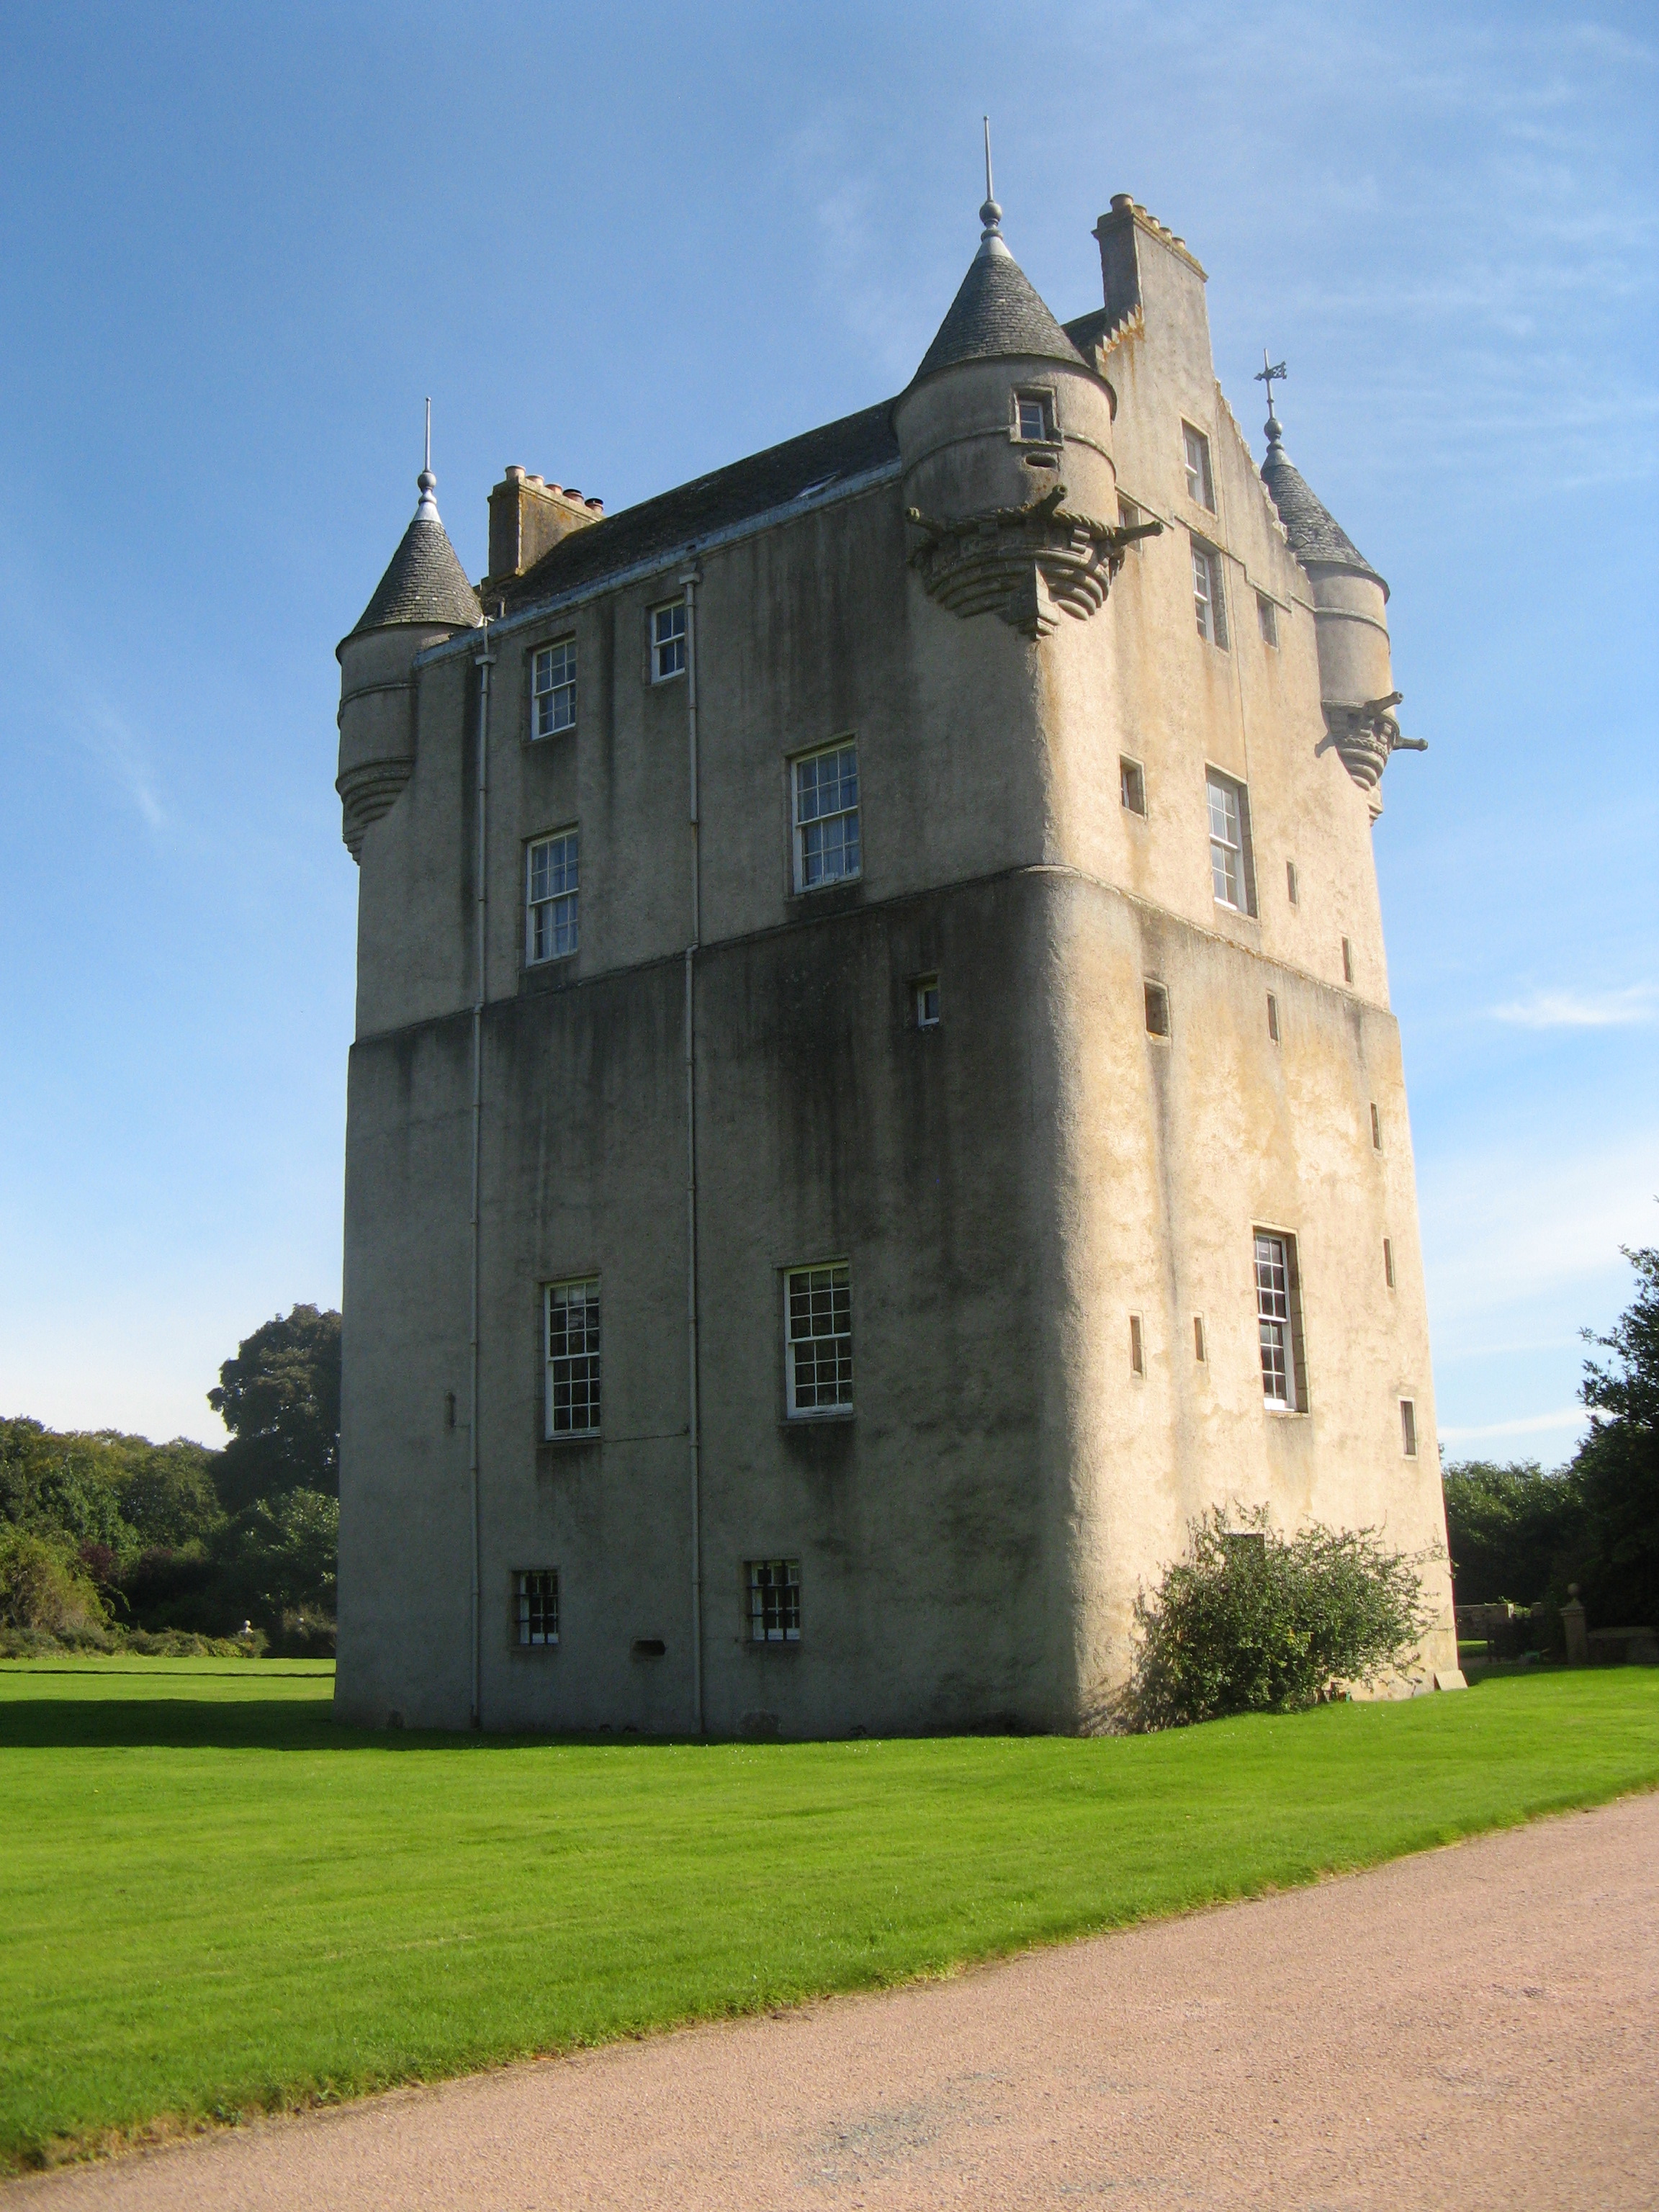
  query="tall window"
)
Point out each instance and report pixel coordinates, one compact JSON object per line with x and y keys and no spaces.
{"x":1279,"y":1320}
{"x":550,"y":901}
{"x":1195,"y":452}
{"x":535,"y":1593}
{"x":555,"y":688}
{"x":1408,"y":1428}
{"x":774,"y":1601}
{"x":1232,"y":877}
{"x":818,"y":1340}
{"x":667,"y":641}
{"x":827,"y":849}
{"x":1208,"y":603}
{"x":573,"y":1358}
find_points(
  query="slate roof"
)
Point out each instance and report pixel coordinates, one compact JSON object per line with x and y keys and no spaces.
{"x":695,"y":511}
{"x":1314,"y":532}
{"x":424,"y":582}
{"x":996,"y":313}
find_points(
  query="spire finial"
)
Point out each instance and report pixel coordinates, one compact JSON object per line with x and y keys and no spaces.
{"x":426,"y":482}
{"x":1270,"y":373}
{"x":991,"y":238}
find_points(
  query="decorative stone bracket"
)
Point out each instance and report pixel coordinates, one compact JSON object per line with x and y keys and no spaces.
{"x":1364,"y":735}
{"x":1026,"y":564}
{"x":366,"y":792}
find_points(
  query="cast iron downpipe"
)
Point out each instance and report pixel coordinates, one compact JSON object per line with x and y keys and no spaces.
{"x":484,"y":661}
{"x":690,"y":578}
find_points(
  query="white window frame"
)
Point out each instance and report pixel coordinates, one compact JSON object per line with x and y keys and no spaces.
{"x":779,"y":1623}
{"x":573,"y":1376}
{"x":811,"y":851}
{"x":1232,"y":864}
{"x":1198,"y":475}
{"x":670,"y":640}
{"x":553,"y":689}
{"x":1209,"y":596}
{"x":1132,"y":784}
{"x":927,"y":1002}
{"x":553,"y":921}
{"x":1279,"y":1320}
{"x":530,"y":1606}
{"x":805,"y":1291}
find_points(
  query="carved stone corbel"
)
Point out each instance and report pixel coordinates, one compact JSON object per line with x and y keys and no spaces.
{"x":1026,"y":564}
{"x":1365,"y":734}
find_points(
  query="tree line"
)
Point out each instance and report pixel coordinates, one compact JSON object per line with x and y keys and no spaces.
{"x":107,"y":1539}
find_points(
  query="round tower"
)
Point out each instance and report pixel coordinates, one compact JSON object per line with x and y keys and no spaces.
{"x":422,"y":599}
{"x":1005,"y":436}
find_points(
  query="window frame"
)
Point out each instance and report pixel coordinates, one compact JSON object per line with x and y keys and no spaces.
{"x":1044,"y":398}
{"x":1410,"y":1441}
{"x":523,"y":1609}
{"x":1209,"y":604}
{"x":921,"y":988}
{"x":551,"y":691}
{"x":1156,"y":1000}
{"x":1291,"y":1362}
{"x":571,"y":892}
{"x":590,"y":1359}
{"x":1132,"y":776}
{"x":1200,"y":467}
{"x":1267,"y":620}
{"x":679,"y":638}
{"x":798,"y":827}
{"x":1217,"y":779}
{"x":754,"y":1615}
{"x":843,"y":1406}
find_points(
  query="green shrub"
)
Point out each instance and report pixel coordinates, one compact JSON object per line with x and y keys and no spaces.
{"x":1258,"y":1622}
{"x":44,"y":1590}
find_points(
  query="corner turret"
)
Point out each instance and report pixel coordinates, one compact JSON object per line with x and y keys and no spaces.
{"x":423,"y":597}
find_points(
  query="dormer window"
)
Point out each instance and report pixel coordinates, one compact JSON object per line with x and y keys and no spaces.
{"x":1034,"y":418}
{"x":1196,"y":449}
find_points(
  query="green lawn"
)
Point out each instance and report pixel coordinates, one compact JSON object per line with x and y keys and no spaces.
{"x":213,"y":1899}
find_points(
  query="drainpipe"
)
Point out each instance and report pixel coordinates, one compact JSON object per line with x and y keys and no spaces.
{"x":690,"y":578}
{"x":484,"y":661}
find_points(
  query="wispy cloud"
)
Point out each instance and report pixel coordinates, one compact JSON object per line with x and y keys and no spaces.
{"x":1533,"y":1425}
{"x":115,"y":747}
{"x":1582,"y":1010}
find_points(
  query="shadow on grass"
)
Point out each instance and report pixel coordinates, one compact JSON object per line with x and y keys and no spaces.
{"x":249,"y":1724}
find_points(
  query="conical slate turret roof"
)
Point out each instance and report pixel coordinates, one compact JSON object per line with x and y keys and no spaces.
{"x":424,"y":581}
{"x":1314,"y":532}
{"x":997,"y":312}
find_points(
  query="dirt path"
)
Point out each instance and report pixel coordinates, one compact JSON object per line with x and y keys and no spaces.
{"x":1478,"y":2027}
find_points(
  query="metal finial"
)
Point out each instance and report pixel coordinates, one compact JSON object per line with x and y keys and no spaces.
{"x":1270,"y":373}
{"x":426,"y":482}
{"x":991,"y":238}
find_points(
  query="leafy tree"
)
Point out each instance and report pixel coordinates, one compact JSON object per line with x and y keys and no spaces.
{"x":1514,"y":1529}
{"x":1617,"y":1467}
{"x":280,"y":1399}
{"x":168,"y":1494}
{"x":1256,"y":1622}
{"x":44,"y":1590}
{"x":280,"y":1555}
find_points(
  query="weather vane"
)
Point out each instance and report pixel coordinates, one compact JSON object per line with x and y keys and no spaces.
{"x":1268,"y":374}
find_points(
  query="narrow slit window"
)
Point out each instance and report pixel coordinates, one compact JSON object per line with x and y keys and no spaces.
{"x":536,"y":1605}
{"x":1208,"y":605}
{"x":1157,"y":1011}
{"x":927,"y":1002}
{"x":1272,"y":1017}
{"x":773,"y":1587}
{"x":1200,"y":1350}
{"x":555,"y":684}
{"x":1266,"y":615}
{"x":1376,"y":1130}
{"x":1388,"y":1261}
{"x":1408,"y":1428}
{"x":1347,"y":961}
{"x":1132,"y":784}
{"x":1137,"y":1347}
{"x":1290,"y":881}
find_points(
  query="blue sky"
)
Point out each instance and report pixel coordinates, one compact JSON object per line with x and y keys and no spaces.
{"x":623,"y":245}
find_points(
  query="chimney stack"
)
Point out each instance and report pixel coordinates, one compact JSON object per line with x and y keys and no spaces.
{"x":528,"y":516}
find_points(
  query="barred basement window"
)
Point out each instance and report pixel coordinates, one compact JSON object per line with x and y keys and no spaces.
{"x":1232,"y":874}
{"x":1278,"y":1321}
{"x":553,"y":869}
{"x":1208,"y":605}
{"x":1157,"y":1011}
{"x":1408,"y":1428}
{"x":818,"y":1340}
{"x":555,"y":688}
{"x":774,"y":1601}
{"x":573,"y":1358}
{"x":536,"y":1595}
{"x":1266,"y":615}
{"x":1195,"y":455}
{"x":667,"y":641}
{"x":827,"y":845}
{"x":1132,"y":784}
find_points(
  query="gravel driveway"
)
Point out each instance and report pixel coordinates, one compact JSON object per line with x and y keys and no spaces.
{"x":1476,"y":2027}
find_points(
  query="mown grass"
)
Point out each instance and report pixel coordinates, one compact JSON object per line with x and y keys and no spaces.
{"x":215,"y":1900}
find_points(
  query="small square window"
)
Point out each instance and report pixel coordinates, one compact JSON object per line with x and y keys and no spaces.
{"x":1376,"y":1130}
{"x":1266,"y":615}
{"x":1272,"y":1017}
{"x":1279,"y":1323}
{"x":667,"y":641}
{"x":1034,"y":418}
{"x":1232,"y":873}
{"x":818,"y":1326}
{"x":553,"y":872}
{"x":554,"y":689}
{"x":1196,"y":454}
{"x":1158,"y":1010}
{"x":1137,"y":1347}
{"x":1347,"y":962}
{"x":774,"y":1588}
{"x":573,"y":1358}
{"x":1291,"y":883}
{"x":1201,"y":1349}
{"x":1128,"y":517}
{"x":1132,"y":784}
{"x":1208,"y":605}
{"x":1388,"y":1261}
{"x":536,"y":1605}
{"x":827,"y":847}
{"x":1408,"y":1428}
{"x":927,"y":1002}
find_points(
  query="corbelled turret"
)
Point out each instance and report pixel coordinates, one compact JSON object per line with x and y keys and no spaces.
{"x":423,"y":597}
